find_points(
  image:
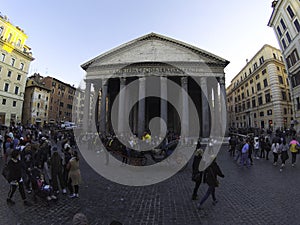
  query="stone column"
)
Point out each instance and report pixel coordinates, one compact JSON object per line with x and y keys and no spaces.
{"x":163,"y":102}
{"x":141,"y":106}
{"x":216,"y":119}
{"x":223,"y":104}
{"x":103,"y":107}
{"x":121,"y":115}
{"x":86,"y":115}
{"x":96,"y":102}
{"x":185,"y":107}
{"x":205,"y":107}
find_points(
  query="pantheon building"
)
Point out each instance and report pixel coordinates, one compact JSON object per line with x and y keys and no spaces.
{"x":156,"y":82}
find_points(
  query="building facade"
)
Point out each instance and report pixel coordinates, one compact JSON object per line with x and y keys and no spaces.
{"x":259,"y":95}
{"x":36,"y":102}
{"x":285,"y":20}
{"x":15,"y":58}
{"x":139,"y":79}
{"x":61,"y":100}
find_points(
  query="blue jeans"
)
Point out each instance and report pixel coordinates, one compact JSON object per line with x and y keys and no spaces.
{"x":245,"y":159}
{"x":210,"y":191}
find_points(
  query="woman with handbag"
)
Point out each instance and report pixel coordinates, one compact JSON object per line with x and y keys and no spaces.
{"x":210,"y":177}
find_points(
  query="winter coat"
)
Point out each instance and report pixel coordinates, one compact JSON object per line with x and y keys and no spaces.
{"x":211,"y":173}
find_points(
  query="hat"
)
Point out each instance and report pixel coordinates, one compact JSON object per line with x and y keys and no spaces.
{"x":43,"y":138}
{"x":11,"y":135}
{"x":79,"y":219}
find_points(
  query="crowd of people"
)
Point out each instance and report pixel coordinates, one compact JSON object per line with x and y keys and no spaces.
{"x":246,"y":148}
{"x":39,"y":162}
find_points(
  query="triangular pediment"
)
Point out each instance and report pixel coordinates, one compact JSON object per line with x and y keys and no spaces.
{"x":154,"y":48}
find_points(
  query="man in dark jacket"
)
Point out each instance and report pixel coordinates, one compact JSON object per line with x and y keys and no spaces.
{"x":210,"y":177}
{"x":197,"y":175}
{"x":15,"y":178}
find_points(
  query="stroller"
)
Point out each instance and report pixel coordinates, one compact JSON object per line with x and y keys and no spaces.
{"x":40,"y":188}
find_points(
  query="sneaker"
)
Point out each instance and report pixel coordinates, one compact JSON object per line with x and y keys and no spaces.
{"x":53,"y":197}
{"x":215,"y":202}
{"x":76,"y":195}
{"x":57,"y":192}
{"x":49,"y":198}
{"x":64,"y":191}
{"x":9,"y":201}
{"x":293,"y":165}
{"x":29,"y":191}
{"x":72,"y":196}
{"x":280,"y":170}
{"x":27,"y":203}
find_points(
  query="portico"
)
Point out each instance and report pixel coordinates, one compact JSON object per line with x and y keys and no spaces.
{"x":144,"y":74}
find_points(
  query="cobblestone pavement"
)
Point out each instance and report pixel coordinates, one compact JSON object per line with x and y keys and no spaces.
{"x":260,"y":194}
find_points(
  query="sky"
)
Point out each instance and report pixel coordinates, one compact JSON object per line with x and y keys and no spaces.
{"x":65,"y":34}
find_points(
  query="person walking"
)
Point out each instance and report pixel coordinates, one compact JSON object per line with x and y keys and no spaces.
{"x":275,"y":150}
{"x":74,"y":176}
{"x":197,"y":175}
{"x":294,"y":148}
{"x":210,"y":177}
{"x":14,"y":178}
{"x":284,"y":147}
{"x":57,"y":172}
{"x":267,"y":148}
{"x":245,"y":154}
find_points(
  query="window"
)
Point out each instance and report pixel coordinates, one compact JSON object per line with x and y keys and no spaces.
{"x":53,"y":84}
{"x":283,"y":24}
{"x":6,"y":87}
{"x":4,"y":101}
{"x":284,"y":111}
{"x":265,"y":82}
{"x":9,"y":73}
{"x":261,"y":113}
{"x":280,"y":79}
{"x":19,"y":43}
{"x":257,"y":77}
{"x":16,"y":90}
{"x":21,"y":66}
{"x":253,"y":103}
{"x":297,"y":25}
{"x":268,"y":97}
{"x":274,"y":56}
{"x":258,"y":87}
{"x":14,"y":103}
{"x":279,"y":31}
{"x":19,"y":77}
{"x":261,"y":60}
{"x":255,"y":66}
{"x":0,"y":69}
{"x":291,"y":12}
{"x":283,"y":94}
{"x":260,"y":101}
{"x":292,"y":58}
{"x":12,"y":62}
{"x":298,"y":103}
{"x":39,"y":97}
{"x":1,"y":30}
{"x":283,"y":43}
{"x":9,"y":37}
{"x":288,"y":37}
{"x":269,"y":112}
{"x":3,"y":57}
{"x":264,"y":72}
{"x":254,"y":115}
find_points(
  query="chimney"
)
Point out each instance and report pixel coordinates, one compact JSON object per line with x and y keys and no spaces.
{"x":274,"y":3}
